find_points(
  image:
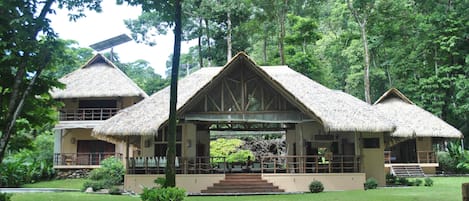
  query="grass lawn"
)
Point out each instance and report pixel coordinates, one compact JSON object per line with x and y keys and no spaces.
{"x":63,"y":183}
{"x":448,"y":189}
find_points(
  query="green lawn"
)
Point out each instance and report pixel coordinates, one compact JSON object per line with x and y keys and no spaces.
{"x":65,"y":183}
{"x":448,"y":189}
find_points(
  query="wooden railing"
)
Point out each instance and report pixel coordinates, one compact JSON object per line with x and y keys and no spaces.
{"x":422,"y":157}
{"x":310,"y":164}
{"x":426,"y":157}
{"x":83,"y":158}
{"x":274,"y":164}
{"x":83,"y":114}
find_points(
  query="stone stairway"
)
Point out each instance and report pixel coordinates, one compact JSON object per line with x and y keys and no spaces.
{"x":243,"y":183}
{"x":407,"y":171}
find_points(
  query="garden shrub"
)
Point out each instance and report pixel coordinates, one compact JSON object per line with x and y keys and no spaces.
{"x":163,"y":194}
{"x":402,"y":181}
{"x":115,"y":191}
{"x":428,"y":181}
{"x":316,"y":187}
{"x":371,"y":183}
{"x":24,"y":167}
{"x":5,"y":196}
{"x":96,"y":185}
{"x":418,"y":182}
{"x":447,"y":163}
{"x":111,"y":172}
{"x":390,"y":179}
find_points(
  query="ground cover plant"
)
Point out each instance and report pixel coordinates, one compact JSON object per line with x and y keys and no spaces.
{"x":444,"y":188}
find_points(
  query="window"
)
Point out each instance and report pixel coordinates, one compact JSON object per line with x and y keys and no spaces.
{"x":97,"y":104}
{"x":161,"y":142}
{"x":371,"y":143}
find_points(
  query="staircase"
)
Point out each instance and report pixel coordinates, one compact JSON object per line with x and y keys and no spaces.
{"x":242,"y":183}
{"x":407,"y":171}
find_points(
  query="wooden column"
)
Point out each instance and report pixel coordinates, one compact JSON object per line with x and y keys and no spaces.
{"x":127,"y":152}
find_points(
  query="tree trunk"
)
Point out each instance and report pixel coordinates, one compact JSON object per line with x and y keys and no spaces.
{"x":228,"y":37}
{"x":367,"y":64}
{"x":281,"y":37}
{"x":11,"y":120}
{"x":264,"y":50}
{"x":209,"y":52}
{"x":362,"y":23}
{"x":171,"y":152}
{"x":199,"y":45}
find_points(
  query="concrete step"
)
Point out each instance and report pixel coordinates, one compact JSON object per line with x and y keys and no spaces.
{"x":407,"y":171}
{"x":242,"y":183}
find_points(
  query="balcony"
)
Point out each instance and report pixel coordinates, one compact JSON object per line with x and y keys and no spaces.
{"x":87,"y":114}
{"x":70,"y":160}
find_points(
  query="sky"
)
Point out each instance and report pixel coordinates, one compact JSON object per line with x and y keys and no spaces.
{"x":96,"y":27}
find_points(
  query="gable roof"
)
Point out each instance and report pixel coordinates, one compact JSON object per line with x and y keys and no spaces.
{"x":99,"y":77}
{"x":410,"y":119}
{"x":337,"y":111}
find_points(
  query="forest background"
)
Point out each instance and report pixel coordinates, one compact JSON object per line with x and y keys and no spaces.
{"x":420,"y":47}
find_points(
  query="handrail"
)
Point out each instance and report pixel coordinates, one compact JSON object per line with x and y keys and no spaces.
{"x":269,"y":164}
{"x":310,"y":164}
{"x":94,"y":158}
{"x":427,"y":157}
{"x":87,"y":114}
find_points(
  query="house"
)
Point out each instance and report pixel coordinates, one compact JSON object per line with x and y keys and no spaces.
{"x":93,"y":93}
{"x":331,"y":136}
{"x":411,"y":147}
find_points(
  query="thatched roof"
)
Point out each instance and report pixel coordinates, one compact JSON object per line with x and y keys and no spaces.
{"x":99,"y":77}
{"x":337,"y":111}
{"x":410,"y":119}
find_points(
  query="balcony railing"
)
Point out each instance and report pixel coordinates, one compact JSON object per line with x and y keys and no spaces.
{"x":422,"y":157}
{"x":427,"y":157}
{"x":73,"y":159}
{"x":83,"y":114}
{"x":274,"y":164}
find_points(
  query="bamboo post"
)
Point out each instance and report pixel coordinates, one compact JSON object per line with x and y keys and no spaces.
{"x":465,"y":192}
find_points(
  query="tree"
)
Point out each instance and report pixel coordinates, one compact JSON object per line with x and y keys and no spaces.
{"x":28,"y":48}
{"x":170,"y":15}
{"x":361,"y":11}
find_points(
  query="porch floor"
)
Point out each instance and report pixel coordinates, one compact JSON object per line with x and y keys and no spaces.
{"x":388,"y":165}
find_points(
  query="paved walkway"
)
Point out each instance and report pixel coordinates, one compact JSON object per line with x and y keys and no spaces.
{"x":36,"y":190}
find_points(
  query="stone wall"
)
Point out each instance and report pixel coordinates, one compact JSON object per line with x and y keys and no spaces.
{"x":72,"y":173}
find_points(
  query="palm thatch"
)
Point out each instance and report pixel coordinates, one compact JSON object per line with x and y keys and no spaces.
{"x":337,"y":111}
{"x":99,"y":77}
{"x":410,"y":119}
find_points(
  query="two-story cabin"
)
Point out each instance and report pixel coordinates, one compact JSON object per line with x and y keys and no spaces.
{"x":93,"y":93}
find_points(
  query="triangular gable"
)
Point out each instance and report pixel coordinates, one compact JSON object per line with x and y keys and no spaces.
{"x":244,"y":91}
{"x":393,"y":92}
{"x":97,"y":59}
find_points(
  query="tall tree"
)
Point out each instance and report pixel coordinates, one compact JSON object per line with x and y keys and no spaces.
{"x":27,"y":50}
{"x":361,"y":10}
{"x":169,"y":14}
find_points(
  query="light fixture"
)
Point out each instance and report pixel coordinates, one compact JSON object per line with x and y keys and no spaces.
{"x":73,"y":140}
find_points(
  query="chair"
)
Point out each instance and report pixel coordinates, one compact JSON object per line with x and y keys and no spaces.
{"x":162,"y":162}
